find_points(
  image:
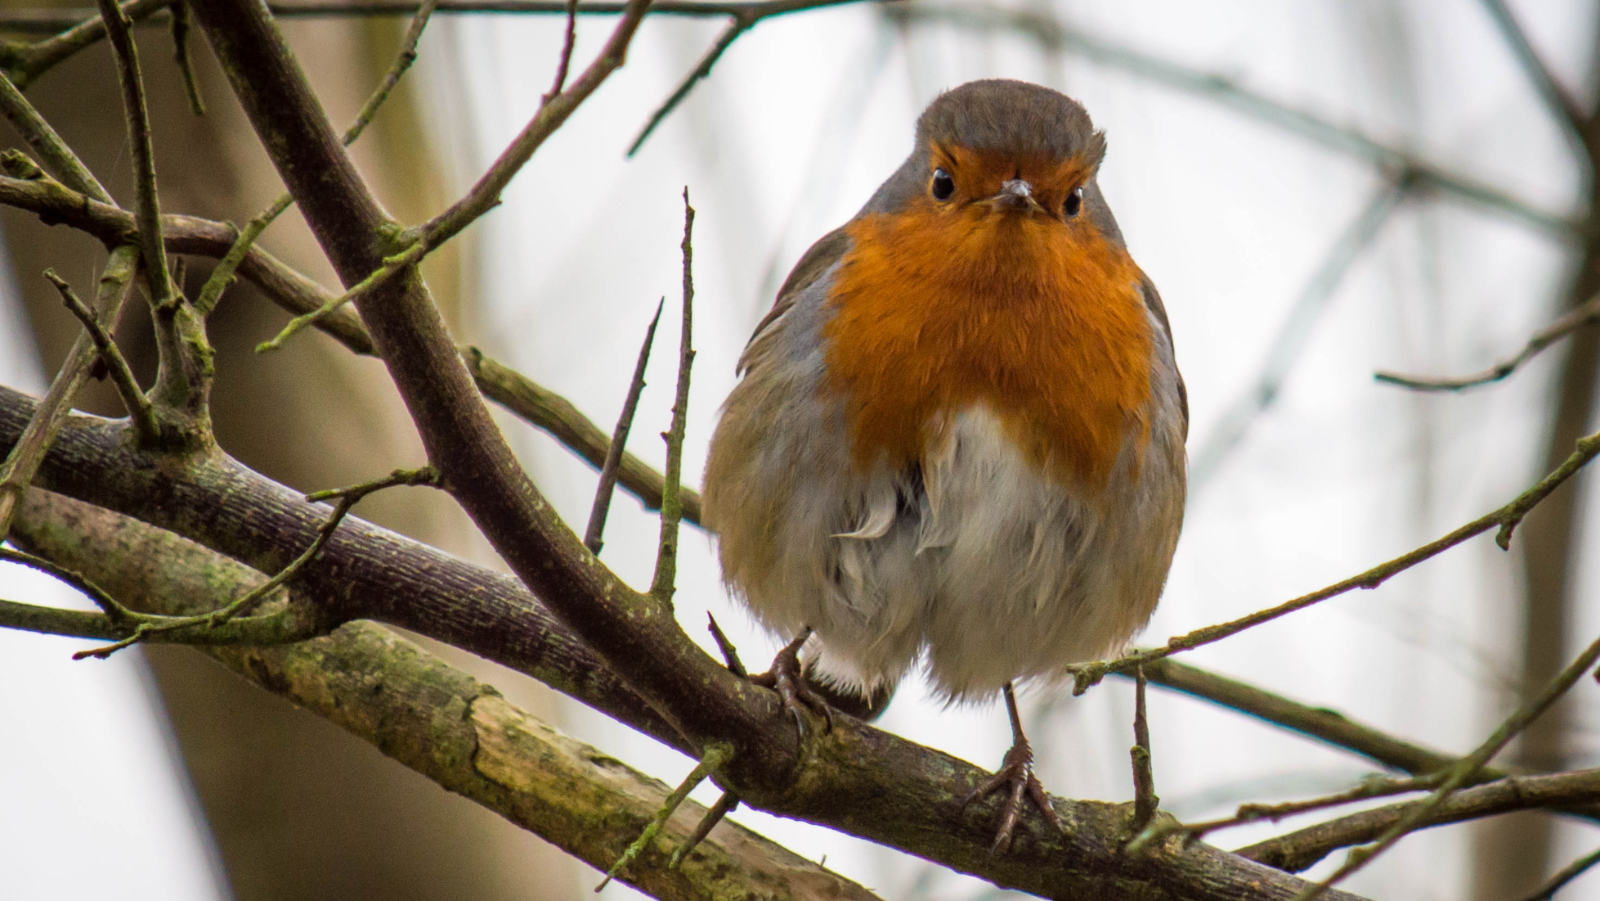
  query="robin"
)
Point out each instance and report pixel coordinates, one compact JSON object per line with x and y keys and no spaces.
{"x":958,"y":439}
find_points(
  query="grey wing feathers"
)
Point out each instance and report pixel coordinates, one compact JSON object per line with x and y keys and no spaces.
{"x":813,"y":263}
{"x":1152,"y":299}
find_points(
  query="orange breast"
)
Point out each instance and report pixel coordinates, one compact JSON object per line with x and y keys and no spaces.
{"x":939,"y":309}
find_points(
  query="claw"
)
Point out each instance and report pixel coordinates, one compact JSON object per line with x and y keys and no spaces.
{"x":1016,"y":777}
{"x":787,"y":678}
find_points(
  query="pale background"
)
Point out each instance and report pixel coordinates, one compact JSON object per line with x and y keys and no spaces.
{"x":1230,"y":217}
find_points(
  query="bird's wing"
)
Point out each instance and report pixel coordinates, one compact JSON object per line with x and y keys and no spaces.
{"x":813,"y":263}
{"x":1152,"y":299}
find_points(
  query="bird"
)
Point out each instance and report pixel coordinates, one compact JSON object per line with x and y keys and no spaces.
{"x":957,"y":440}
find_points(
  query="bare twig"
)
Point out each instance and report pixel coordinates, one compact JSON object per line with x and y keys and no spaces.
{"x":347,"y":497}
{"x":139,"y":406}
{"x":1561,"y":101}
{"x":148,"y":207}
{"x":713,"y":759}
{"x":223,"y":274}
{"x":665,"y":581}
{"x":1317,"y":722}
{"x":79,"y":29}
{"x":1291,"y":339}
{"x":730,"y":654}
{"x":737,"y":25}
{"x":25,"y":458}
{"x":720,"y":809}
{"x":1568,"y":873}
{"x":1372,"y":787}
{"x":1145,"y":800}
{"x":182,"y":22}
{"x":1580,"y":316}
{"x":592,"y":536}
{"x":108,"y":605}
{"x":1051,"y":33}
{"x":117,"y":621}
{"x":1463,"y":770}
{"x":568,"y":42}
{"x":1298,"y":850}
{"x":50,"y":20}
{"x":297,"y":294}
{"x":485,"y":195}
{"x":57,"y":157}
{"x":1506,"y":518}
{"x":739,"y":21}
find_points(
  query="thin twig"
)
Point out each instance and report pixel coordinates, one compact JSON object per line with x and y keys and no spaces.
{"x":739,"y":21}
{"x":57,"y":157}
{"x":297,"y":294}
{"x":1561,"y":101}
{"x":182,"y":23}
{"x":1321,"y":723}
{"x":223,"y":274}
{"x":592,"y":536}
{"x":50,"y":21}
{"x":1575,"y":319}
{"x":715,"y":756}
{"x":1372,"y":787}
{"x":108,"y":605}
{"x":23,"y":461}
{"x":665,"y":581}
{"x":25,"y":457}
{"x":737,"y":25}
{"x":1303,"y":848}
{"x":1145,"y":800}
{"x":411,"y":255}
{"x":347,"y":498}
{"x":1286,"y":347}
{"x":730,"y":654}
{"x":485,"y":195}
{"x":148,"y":205}
{"x":722,"y":808}
{"x":1506,"y":518}
{"x":1568,"y":873}
{"x":568,"y":43}
{"x":397,"y":70}
{"x":116,"y":620}
{"x":79,"y":29}
{"x":140,"y":410}
{"x":1465,"y":768}
{"x":1225,"y":91}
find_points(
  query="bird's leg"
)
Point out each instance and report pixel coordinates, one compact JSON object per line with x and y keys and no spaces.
{"x":788,"y":679}
{"x":1016,"y":778}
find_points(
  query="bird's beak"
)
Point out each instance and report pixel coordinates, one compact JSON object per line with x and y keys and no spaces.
{"x":1016,"y":194}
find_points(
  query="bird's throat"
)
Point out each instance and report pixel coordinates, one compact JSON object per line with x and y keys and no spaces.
{"x":937,"y":310}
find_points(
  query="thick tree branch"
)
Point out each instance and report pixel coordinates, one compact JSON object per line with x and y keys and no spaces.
{"x":435,"y":719}
{"x":540,"y":407}
{"x":858,"y":779}
{"x":637,"y":635}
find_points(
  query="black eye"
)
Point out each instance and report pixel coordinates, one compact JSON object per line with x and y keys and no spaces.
{"x":943,"y":185}
{"x":1074,"y":204}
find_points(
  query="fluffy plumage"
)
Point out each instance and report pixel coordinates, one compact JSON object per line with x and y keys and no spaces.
{"x":959,"y":434}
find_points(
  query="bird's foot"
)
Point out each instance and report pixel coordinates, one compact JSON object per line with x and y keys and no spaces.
{"x":1015,"y":777}
{"x":787,"y":678}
